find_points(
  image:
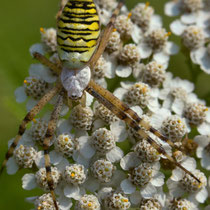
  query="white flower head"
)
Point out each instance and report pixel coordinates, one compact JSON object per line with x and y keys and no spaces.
{"x":145,"y":176}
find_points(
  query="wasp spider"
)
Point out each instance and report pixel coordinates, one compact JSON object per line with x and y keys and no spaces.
{"x":80,"y":43}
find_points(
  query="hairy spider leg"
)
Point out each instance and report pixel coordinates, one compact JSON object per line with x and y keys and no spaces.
{"x":103,"y":96}
{"x":46,"y":145}
{"x":124,"y":107}
{"x":28,"y":118}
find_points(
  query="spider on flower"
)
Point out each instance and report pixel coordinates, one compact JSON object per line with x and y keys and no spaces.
{"x":80,"y":44}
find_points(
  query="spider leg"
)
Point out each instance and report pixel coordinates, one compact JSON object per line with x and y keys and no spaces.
{"x":105,"y":35}
{"x":43,"y":60}
{"x":48,"y":137}
{"x":62,"y":5}
{"x":28,"y":118}
{"x":103,"y":96}
{"x":125,"y":108}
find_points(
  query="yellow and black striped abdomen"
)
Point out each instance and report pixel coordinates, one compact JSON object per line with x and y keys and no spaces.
{"x":78,"y":33}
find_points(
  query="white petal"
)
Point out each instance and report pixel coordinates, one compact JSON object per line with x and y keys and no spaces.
{"x":144,"y":50}
{"x":158,"y":179}
{"x":136,"y":34}
{"x":153,"y":104}
{"x":114,"y":155}
{"x":37,"y":48}
{"x":203,"y":58}
{"x":64,"y":203}
{"x":188,"y":18}
{"x":102,"y":194}
{"x":199,"y":152}
{"x":202,"y":195}
{"x":64,"y":126}
{"x":201,"y":140}
{"x":91,"y":184}
{"x":127,"y":186}
{"x":161,"y":57}
{"x":157,"y":118}
{"x":193,"y":57}
{"x":20,"y":94}
{"x":64,"y":110}
{"x":12,"y":166}
{"x":81,"y":160}
{"x":120,"y":92}
{"x":55,"y":157}
{"x":204,"y":128}
{"x":148,"y":191}
{"x":177,"y":174}
{"x":174,"y":189}
{"x":129,"y":161}
{"x":178,"y":106}
{"x":71,"y":191}
{"x":62,"y":165}
{"x":123,"y":71}
{"x":208,"y":116}
{"x":137,"y":109}
{"x":85,"y":147}
{"x":172,"y":8}
{"x":30,"y":104}
{"x":29,"y":181}
{"x":39,"y":160}
{"x":31,"y":199}
{"x":189,"y":163}
{"x":171,"y":48}
{"x":98,"y":124}
{"x":41,"y":72}
{"x":111,"y":65}
{"x":155,"y":22}
{"x":117,"y":178}
{"x":205,"y":161}
{"x":10,"y":142}
{"x":102,"y":82}
{"x":89,"y":99}
{"x":177,"y":27}
{"x":135,"y":198}
{"x":126,"y":84}
{"x":118,"y":128}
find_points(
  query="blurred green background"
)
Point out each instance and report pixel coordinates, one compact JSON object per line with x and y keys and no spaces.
{"x":20,"y":22}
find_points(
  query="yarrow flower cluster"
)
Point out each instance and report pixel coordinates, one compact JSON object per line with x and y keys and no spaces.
{"x":193,"y":28}
{"x":99,"y":162}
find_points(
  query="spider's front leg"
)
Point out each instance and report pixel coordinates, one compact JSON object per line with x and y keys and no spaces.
{"x":28,"y":118}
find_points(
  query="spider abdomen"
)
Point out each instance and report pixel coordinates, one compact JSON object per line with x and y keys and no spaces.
{"x":78,"y":33}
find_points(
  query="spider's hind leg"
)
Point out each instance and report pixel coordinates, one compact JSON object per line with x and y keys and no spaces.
{"x":28,"y":118}
{"x":114,"y":105}
{"x":48,"y":137}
